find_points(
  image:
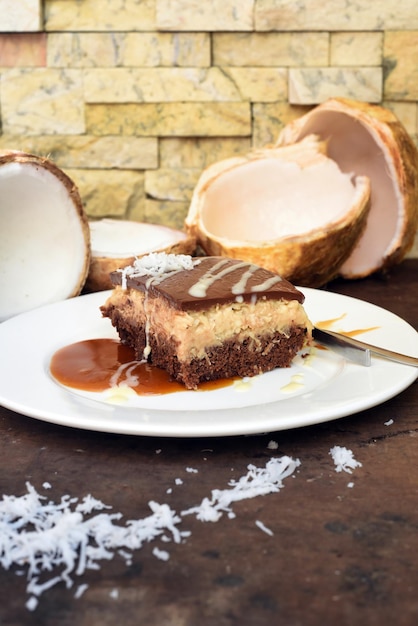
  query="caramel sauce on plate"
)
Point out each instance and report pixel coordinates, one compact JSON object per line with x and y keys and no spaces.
{"x":100,"y":364}
{"x":328,"y":324}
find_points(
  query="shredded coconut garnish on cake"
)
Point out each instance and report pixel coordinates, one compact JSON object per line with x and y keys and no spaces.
{"x":344,"y":459}
{"x":55,"y":542}
{"x":157,"y":265}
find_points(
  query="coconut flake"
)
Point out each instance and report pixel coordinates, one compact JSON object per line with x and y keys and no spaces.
{"x":157,"y":265}
{"x":163,"y":555}
{"x":344,"y":459}
{"x":55,"y":542}
{"x":257,"y":482}
{"x":263,"y":527}
{"x":47,"y":537}
{"x":272,"y":445}
{"x":80,"y":590}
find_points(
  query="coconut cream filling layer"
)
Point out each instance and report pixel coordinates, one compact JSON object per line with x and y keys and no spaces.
{"x":196,"y":331}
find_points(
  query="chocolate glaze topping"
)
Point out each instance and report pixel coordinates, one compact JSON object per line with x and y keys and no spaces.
{"x":212,"y":280}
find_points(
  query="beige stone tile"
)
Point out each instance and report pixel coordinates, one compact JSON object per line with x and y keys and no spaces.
{"x":170,"y":119}
{"x":269,"y":119}
{"x":406,"y":112}
{"x":41,"y":100}
{"x":413,"y":253}
{"x":198,"y":153}
{"x":88,"y":151}
{"x":271,"y":49}
{"x":356,"y":48}
{"x":109,"y":193}
{"x":314,"y":85}
{"x":401,"y":65}
{"x":167,"y":49}
{"x":19,"y":16}
{"x":175,"y":185}
{"x":198,"y":15}
{"x":339,"y":15}
{"x":128,"y":49}
{"x":99,"y":15}
{"x":23,"y":50}
{"x":80,"y":50}
{"x":259,"y":84}
{"x":165,"y":212}
{"x":159,"y":85}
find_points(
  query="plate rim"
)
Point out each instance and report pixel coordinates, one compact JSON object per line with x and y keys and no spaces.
{"x":86,"y":419}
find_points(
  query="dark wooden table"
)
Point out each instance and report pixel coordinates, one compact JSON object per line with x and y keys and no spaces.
{"x":338,"y":555}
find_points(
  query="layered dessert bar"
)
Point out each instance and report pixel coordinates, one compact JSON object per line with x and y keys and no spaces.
{"x":206,"y":318}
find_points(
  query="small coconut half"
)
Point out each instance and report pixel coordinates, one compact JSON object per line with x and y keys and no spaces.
{"x":369,"y":140}
{"x":116,"y":243}
{"x":44,"y":234}
{"x":289,"y":209}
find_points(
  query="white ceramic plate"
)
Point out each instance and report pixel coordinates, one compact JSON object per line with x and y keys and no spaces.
{"x":315,"y":389}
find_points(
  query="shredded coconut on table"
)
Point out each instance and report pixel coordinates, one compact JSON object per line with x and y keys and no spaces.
{"x":56,"y":541}
{"x":263,"y":527}
{"x":161,"y":554}
{"x":257,"y":482}
{"x":44,"y":536}
{"x":344,"y":459}
{"x":272,"y":445}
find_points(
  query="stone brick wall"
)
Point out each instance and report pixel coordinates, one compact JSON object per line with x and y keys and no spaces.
{"x":132,"y":98}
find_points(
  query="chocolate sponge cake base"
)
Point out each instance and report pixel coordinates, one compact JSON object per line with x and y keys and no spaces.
{"x":234,"y":358}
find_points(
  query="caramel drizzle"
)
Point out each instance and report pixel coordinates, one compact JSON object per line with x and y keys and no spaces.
{"x":328,"y":324}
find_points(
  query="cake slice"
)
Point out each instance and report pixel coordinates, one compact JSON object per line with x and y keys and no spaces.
{"x":206,"y":318}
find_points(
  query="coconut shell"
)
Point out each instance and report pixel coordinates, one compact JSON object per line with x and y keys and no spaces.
{"x":102,"y":265}
{"x":68,"y":284}
{"x":310,"y":259}
{"x":369,"y":140}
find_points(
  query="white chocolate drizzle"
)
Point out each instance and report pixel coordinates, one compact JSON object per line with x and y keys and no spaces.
{"x":158,"y":266}
{"x":200,"y":288}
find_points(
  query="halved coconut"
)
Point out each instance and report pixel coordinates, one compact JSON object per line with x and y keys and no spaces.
{"x":369,"y":140}
{"x":44,"y":234}
{"x":116,"y":243}
{"x":289,"y":209}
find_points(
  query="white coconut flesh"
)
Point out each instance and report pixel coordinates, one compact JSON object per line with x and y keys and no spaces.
{"x":116,"y":244}
{"x":354,"y":148}
{"x":123,"y":239}
{"x":44,"y":247}
{"x":270,"y":199}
